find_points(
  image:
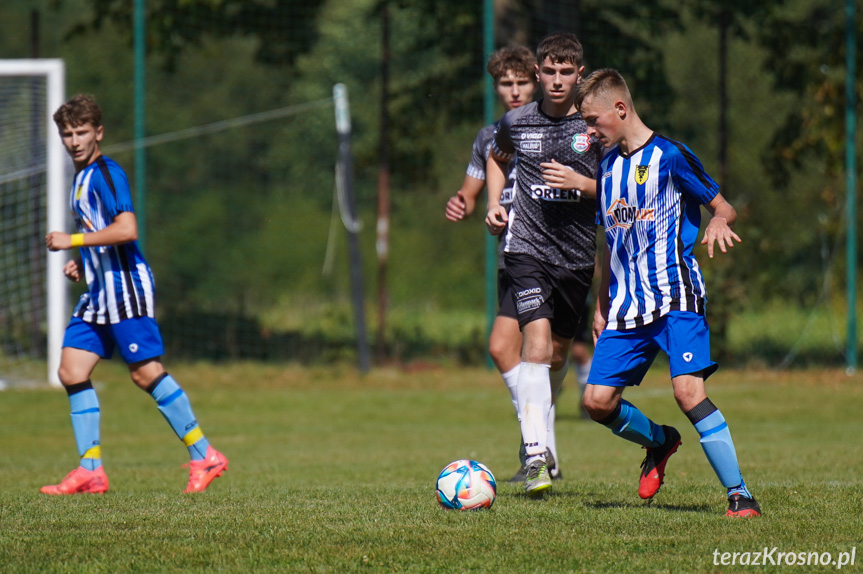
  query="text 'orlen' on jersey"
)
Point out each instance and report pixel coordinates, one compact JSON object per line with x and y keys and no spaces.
{"x":553,"y":225}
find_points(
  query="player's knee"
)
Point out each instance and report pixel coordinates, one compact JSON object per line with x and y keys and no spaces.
{"x":69,"y":375}
{"x":688,"y":394}
{"x":598,"y":407}
{"x":503,"y":352}
{"x":138,"y":379}
{"x":559,"y":357}
{"x":538,"y":352}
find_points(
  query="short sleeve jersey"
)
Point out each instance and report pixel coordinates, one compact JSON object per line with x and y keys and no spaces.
{"x":476,"y":169}
{"x":552,"y":225}
{"x":120,"y":284}
{"x":649,"y":202}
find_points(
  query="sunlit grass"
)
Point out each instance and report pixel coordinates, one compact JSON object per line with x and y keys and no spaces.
{"x":332,"y":471}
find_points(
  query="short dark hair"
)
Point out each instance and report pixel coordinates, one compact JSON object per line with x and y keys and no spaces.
{"x":560,"y":47}
{"x":516,"y":59}
{"x":81,"y":109}
{"x":600,"y":82}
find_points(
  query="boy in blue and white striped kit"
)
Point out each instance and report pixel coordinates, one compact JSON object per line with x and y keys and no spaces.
{"x":650,"y":190}
{"x":116,"y":311}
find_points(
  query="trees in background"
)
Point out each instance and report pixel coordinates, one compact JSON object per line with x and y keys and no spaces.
{"x":257,"y":200}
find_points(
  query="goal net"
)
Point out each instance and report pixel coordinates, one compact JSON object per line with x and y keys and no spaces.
{"x":33,"y":298}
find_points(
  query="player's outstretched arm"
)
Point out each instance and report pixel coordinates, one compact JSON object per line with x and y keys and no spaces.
{"x":495,"y":173}
{"x":124,"y":229}
{"x":463,"y":203}
{"x":562,"y":176}
{"x":718,"y":230}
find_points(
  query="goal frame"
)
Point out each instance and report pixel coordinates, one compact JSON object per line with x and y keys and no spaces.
{"x":54,"y":72}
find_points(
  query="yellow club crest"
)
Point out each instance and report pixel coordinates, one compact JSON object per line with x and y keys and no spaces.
{"x":641,"y":174}
{"x":78,"y":192}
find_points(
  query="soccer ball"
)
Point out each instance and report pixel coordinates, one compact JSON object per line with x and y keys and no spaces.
{"x":465,"y":485}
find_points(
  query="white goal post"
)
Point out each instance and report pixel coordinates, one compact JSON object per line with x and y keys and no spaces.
{"x":54,"y":72}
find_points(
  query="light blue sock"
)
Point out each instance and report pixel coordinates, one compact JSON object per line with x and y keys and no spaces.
{"x":84,"y":405}
{"x":719,"y":448}
{"x":175,"y":407}
{"x":631,"y":424}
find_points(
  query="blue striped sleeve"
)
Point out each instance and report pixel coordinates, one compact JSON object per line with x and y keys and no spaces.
{"x":690,"y":177}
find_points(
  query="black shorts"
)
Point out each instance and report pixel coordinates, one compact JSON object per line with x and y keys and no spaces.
{"x":505,"y":302}
{"x":541,"y":290}
{"x":583,"y":331}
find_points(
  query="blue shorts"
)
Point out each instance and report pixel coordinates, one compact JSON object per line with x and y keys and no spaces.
{"x":621,"y":358}
{"x":138,"y":339}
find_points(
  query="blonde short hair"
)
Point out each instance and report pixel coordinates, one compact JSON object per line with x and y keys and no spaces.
{"x":600,"y":82}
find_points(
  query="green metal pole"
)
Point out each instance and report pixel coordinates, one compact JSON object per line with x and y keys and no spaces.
{"x":851,"y":175}
{"x":490,"y":241}
{"x":140,"y":37}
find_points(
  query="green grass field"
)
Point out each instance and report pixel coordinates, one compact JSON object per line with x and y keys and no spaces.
{"x":333,"y":472}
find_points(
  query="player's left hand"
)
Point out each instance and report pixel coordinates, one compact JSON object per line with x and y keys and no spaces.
{"x":57,"y":241}
{"x":558,"y":175}
{"x":718,"y":232}
{"x":72,"y":271}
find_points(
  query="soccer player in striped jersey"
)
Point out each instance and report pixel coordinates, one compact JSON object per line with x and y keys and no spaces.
{"x":550,"y":239}
{"x":650,"y":190}
{"x":514,"y":71}
{"x":116,"y":311}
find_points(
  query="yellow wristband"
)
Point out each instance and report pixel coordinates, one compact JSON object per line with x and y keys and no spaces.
{"x":78,"y":240}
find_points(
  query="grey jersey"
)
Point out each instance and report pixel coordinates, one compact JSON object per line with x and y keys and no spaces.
{"x":476,"y":169}
{"x":556,"y":226}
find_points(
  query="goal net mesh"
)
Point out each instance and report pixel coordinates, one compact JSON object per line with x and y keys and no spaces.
{"x":22,"y":248}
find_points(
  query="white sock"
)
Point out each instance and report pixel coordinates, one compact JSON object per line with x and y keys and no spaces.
{"x":556,"y":378}
{"x":550,"y":439}
{"x":511,"y":379}
{"x":534,"y":402}
{"x":582,"y":372}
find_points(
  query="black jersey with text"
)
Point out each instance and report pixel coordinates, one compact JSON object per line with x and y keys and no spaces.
{"x":557,"y":226}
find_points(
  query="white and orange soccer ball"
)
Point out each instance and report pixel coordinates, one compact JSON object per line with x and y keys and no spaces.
{"x":465,"y":485}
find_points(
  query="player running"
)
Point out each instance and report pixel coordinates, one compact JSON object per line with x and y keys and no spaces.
{"x":549,"y":253}
{"x":117,"y":309}
{"x":652,"y":294}
{"x":514,"y":71}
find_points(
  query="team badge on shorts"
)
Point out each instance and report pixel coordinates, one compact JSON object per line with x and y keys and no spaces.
{"x":580,"y":143}
{"x":133,"y":348}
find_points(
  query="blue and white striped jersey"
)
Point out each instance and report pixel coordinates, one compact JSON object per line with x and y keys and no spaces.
{"x":120,"y":284}
{"x":650,"y":204}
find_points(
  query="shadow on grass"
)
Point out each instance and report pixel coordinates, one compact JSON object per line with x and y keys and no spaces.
{"x":591,"y":500}
{"x":600,"y":504}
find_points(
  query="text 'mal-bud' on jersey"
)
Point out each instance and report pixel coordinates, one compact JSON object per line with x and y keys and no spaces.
{"x":649,"y":202}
